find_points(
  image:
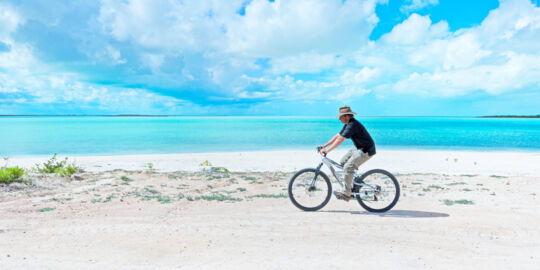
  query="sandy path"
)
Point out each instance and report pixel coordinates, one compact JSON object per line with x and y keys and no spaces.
{"x":499,"y":231}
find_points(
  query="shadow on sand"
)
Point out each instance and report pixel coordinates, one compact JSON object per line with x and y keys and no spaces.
{"x":395,"y":213}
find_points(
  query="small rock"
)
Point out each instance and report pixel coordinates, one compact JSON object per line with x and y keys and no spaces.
{"x":77,"y":177}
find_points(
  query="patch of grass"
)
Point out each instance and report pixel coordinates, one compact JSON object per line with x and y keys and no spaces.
{"x":163,"y":199}
{"x":248,"y":178}
{"x":469,"y":175}
{"x":108,"y":198}
{"x":452,"y":202}
{"x":241,"y":189}
{"x":456,"y":183}
{"x":219,"y":169}
{"x":196,"y":198}
{"x":498,"y":176}
{"x":9,"y":175}
{"x":466,"y":189}
{"x":220,"y":197}
{"x":435,"y":187}
{"x":274,"y":196}
{"x":416,"y":183}
{"x":126,"y":179}
{"x":46,"y":209}
{"x":96,"y":200}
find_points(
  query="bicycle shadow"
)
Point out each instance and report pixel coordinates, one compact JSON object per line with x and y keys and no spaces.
{"x":394,"y":213}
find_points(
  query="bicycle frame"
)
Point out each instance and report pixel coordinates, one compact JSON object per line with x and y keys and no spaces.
{"x":331,"y":164}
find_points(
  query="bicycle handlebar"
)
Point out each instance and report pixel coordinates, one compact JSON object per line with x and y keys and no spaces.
{"x":319,"y":151}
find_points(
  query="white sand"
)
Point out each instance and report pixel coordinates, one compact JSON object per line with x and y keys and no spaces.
{"x":498,"y":230}
{"x":441,"y":162}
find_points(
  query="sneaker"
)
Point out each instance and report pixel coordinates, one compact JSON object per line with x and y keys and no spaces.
{"x":342,"y":196}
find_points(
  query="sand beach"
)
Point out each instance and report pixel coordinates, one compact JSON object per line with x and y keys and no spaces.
{"x":458,"y":210}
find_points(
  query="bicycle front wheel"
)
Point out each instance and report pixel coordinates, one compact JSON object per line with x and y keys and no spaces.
{"x":379,"y":192}
{"x":310,"y":190}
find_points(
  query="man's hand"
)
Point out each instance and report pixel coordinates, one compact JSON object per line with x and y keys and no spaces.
{"x":323,"y":151}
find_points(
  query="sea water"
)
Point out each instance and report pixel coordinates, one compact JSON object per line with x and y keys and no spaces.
{"x":93,"y":135}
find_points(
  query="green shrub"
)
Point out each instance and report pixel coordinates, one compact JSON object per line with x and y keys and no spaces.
{"x":58,"y":167}
{"x":68,"y":171}
{"x":10,"y":174}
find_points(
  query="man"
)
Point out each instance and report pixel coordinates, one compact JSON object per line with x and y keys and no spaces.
{"x":365,"y":148}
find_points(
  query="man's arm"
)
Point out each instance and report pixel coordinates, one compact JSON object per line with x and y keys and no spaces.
{"x":337,"y":140}
{"x":331,"y":141}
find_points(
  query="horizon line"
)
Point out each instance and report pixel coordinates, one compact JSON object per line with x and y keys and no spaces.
{"x":180,"y":115}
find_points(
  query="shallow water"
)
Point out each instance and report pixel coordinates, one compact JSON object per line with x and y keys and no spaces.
{"x":26,"y":136}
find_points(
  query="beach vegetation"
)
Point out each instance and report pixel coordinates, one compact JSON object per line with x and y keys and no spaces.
{"x":150,"y":167}
{"x":274,"y":196}
{"x":452,"y":202}
{"x":196,"y":198}
{"x":456,"y":183}
{"x":469,"y":175}
{"x":59,"y":167}
{"x":9,"y":175}
{"x":435,"y":187}
{"x":416,"y":183}
{"x":126,"y":179}
{"x":46,"y":209}
{"x":241,"y":189}
{"x":219,"y":197}
{"x":498,"y":176}
{"x":466,"y":189}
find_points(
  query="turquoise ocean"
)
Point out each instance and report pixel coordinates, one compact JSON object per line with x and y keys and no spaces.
{"x":103,"y":135}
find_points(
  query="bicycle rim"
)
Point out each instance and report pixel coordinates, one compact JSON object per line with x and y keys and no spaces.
{"x":306,"y":196}
{"x":382,"y":192}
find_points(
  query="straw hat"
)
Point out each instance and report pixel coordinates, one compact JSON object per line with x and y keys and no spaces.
{"x":345,"y":110}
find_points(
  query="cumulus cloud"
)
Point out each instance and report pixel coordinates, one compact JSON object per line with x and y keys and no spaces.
{"x":281,"y":28}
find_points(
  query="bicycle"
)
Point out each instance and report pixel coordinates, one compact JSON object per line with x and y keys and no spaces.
{"x":310,"y":189}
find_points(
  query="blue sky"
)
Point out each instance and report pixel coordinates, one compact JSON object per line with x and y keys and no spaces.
{"x":260,"y":57}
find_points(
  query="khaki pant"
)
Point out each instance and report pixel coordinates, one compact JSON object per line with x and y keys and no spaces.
{"x":350,"y":162}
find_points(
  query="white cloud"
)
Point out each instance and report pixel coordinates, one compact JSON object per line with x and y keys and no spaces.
{"x":9,"y":21}
{"x":310,"y":62}
{"x":414,"y":5}
{"x":282,"y":28}
{"x":115,"y":56}
{"x":416,"y":30}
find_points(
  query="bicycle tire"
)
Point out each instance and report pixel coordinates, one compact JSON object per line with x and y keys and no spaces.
{"x":357,"y":188}
{"x":296,"y":177}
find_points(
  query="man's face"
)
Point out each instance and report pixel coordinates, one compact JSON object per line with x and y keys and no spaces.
{"x":345,"y":119}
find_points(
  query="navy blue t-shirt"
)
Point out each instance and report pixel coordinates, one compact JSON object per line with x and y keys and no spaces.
{"x":359,"y":135}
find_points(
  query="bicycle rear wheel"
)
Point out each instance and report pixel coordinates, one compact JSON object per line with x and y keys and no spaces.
{"x":380,"y":193}
{"x":308,"y":191}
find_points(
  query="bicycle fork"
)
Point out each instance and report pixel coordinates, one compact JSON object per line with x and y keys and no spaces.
{"x":317,"y":170}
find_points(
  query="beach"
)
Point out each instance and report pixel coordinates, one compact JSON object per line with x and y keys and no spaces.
{"x":230,"y":210}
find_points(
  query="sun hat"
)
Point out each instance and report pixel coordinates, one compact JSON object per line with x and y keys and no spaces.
{"x":345,"y":110}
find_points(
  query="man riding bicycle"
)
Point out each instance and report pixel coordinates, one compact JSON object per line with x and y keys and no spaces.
{"x":365,"y":148}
